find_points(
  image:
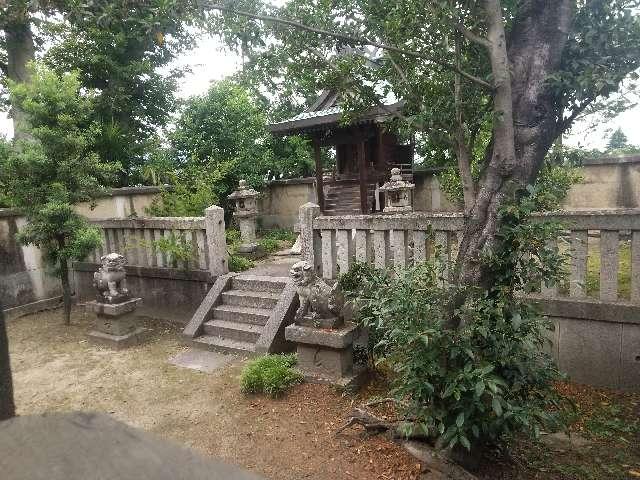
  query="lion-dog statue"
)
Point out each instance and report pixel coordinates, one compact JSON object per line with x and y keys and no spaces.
{"x":110,"y":279}
{"x":320,"y":304}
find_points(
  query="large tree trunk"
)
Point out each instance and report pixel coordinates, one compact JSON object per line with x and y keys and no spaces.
{"x":525,"y":122}
{"x":20,"y":51}
{"x":7,"y":406}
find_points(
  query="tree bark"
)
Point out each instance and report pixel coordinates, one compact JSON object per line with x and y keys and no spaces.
{"x":66,"y":291}
{"x":525,"y":122}
{"x":7,"y":405}
{"x":20,"y":51}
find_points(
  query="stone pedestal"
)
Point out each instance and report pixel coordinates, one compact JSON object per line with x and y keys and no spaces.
{"x":115,"y":325}
{"x":325,"y":355}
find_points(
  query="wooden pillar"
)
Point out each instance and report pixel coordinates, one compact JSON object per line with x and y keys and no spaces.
{"x":362,"y":170}
{"x":319,"y":181}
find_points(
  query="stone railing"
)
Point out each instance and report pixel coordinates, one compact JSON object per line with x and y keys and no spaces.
{"x":144,"y":241}
{"x":595,"y":312}
{"x":333,"y":243}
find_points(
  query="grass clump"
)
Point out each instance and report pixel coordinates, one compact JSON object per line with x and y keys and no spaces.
{"x":270,"y":374}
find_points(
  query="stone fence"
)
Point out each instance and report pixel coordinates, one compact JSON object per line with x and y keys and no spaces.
{"x":171,"y":261}
{"x":596,"y":312}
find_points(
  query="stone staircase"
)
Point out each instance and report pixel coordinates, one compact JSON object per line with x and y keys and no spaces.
{"x":241,"y":314}
{"x":343,"y":198}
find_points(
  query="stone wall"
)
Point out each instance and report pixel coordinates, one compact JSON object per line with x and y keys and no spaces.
{"x":608,"y":183}
{"x":280,"y":201}
{"x":23,"y":277}
{"x":120,"y":203}
{"x":167,"y":293}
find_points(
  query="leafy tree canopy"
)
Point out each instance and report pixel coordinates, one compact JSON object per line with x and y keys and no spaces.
{"x":219,"y":138}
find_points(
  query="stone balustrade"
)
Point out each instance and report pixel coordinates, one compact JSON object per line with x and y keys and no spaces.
{"x":137,"y":239}
{"x":333,"y":243}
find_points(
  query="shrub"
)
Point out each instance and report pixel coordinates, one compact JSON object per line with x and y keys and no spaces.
{"x":271,"y":374}
{"x":238,"y":263}
{"x":487,"y":378}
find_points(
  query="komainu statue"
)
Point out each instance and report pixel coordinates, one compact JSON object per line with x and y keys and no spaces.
{"x":320,"y":304}
{"x":110,"y":279}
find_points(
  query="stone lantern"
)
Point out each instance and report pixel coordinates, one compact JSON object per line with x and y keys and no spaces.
{"x":246,"y":200}
{"x":398,"y":194}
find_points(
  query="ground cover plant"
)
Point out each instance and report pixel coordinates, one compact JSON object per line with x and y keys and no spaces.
{"x":270,"y":374}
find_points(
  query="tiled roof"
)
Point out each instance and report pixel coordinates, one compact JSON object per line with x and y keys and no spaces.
{"x":314,"y":114}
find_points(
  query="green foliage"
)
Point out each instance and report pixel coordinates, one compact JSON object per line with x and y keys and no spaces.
{"x":238,"y":263}
{"x":274,"y":240}
{"x":617,"y":141}
{"x":178,"y":250}
{"x":220,"y":138}
{"x":60,"y":233}
{"x":487,"y":378}
{"x":270,"y":374}
{"x":119,"y":49}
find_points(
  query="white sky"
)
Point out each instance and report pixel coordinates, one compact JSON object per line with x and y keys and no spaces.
{"x":209,"y":62}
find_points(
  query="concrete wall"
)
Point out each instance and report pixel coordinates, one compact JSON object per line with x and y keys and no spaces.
{"x":120,"y":203}
{"x":428,"y":196}
{"x":167,"y":293}
{"x":281,"y":200}
{"x":23,"y":276}
{"x":608,"y":183}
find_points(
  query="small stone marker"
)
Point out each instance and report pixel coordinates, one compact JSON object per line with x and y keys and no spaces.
{"x":324,"y":340}
{"x":115,"y":324}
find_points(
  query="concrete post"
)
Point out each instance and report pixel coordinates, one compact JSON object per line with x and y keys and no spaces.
{"x":216,"y":241}
{"x":307,"y":213}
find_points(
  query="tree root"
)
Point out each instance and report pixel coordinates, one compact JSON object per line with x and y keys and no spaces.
{"x":432,"y":459}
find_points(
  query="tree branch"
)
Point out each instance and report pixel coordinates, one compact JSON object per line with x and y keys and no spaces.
{"x":565,"y":124}
{"x":347,"y":38}
{"x":472,"y":37}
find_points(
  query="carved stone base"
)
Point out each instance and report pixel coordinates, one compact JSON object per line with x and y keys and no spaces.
{"x":331,"y":323}
{"x":112,"y":299}
{"x":115,"y":325}
{"x":252,"y":251}
{"x":118,"y":342}
{"x":326,"y":356}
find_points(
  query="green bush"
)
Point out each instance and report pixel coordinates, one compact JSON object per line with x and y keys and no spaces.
{"x":238,"y":263}
{"x":271,"y":374}
{"x":485,"y":378}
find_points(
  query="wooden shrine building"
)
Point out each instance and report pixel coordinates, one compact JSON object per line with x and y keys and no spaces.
{"x":365,"y":154}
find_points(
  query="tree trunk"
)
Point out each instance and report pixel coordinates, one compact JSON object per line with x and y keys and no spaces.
{"x":20,"y":51}
{"x":7,"y":406}
{"x":66,"y":291}
{"x":525,"y":122}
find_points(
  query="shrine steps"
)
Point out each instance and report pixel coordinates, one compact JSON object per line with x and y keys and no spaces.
{"x":244,"y":314}
{"x":344,"y":198}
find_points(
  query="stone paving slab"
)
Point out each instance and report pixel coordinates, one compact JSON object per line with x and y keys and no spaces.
{"x":95,"y":446}
{"x":202,"y":360}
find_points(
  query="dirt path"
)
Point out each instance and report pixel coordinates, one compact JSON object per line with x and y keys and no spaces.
{"x":55,"y":369}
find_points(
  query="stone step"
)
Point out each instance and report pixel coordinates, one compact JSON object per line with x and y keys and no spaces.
{"x":235,"y":313}
{"x":243,"y":332}
{"x":259,"y":283}
{"x":217,"y":344}
{"x":250,"y":298}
